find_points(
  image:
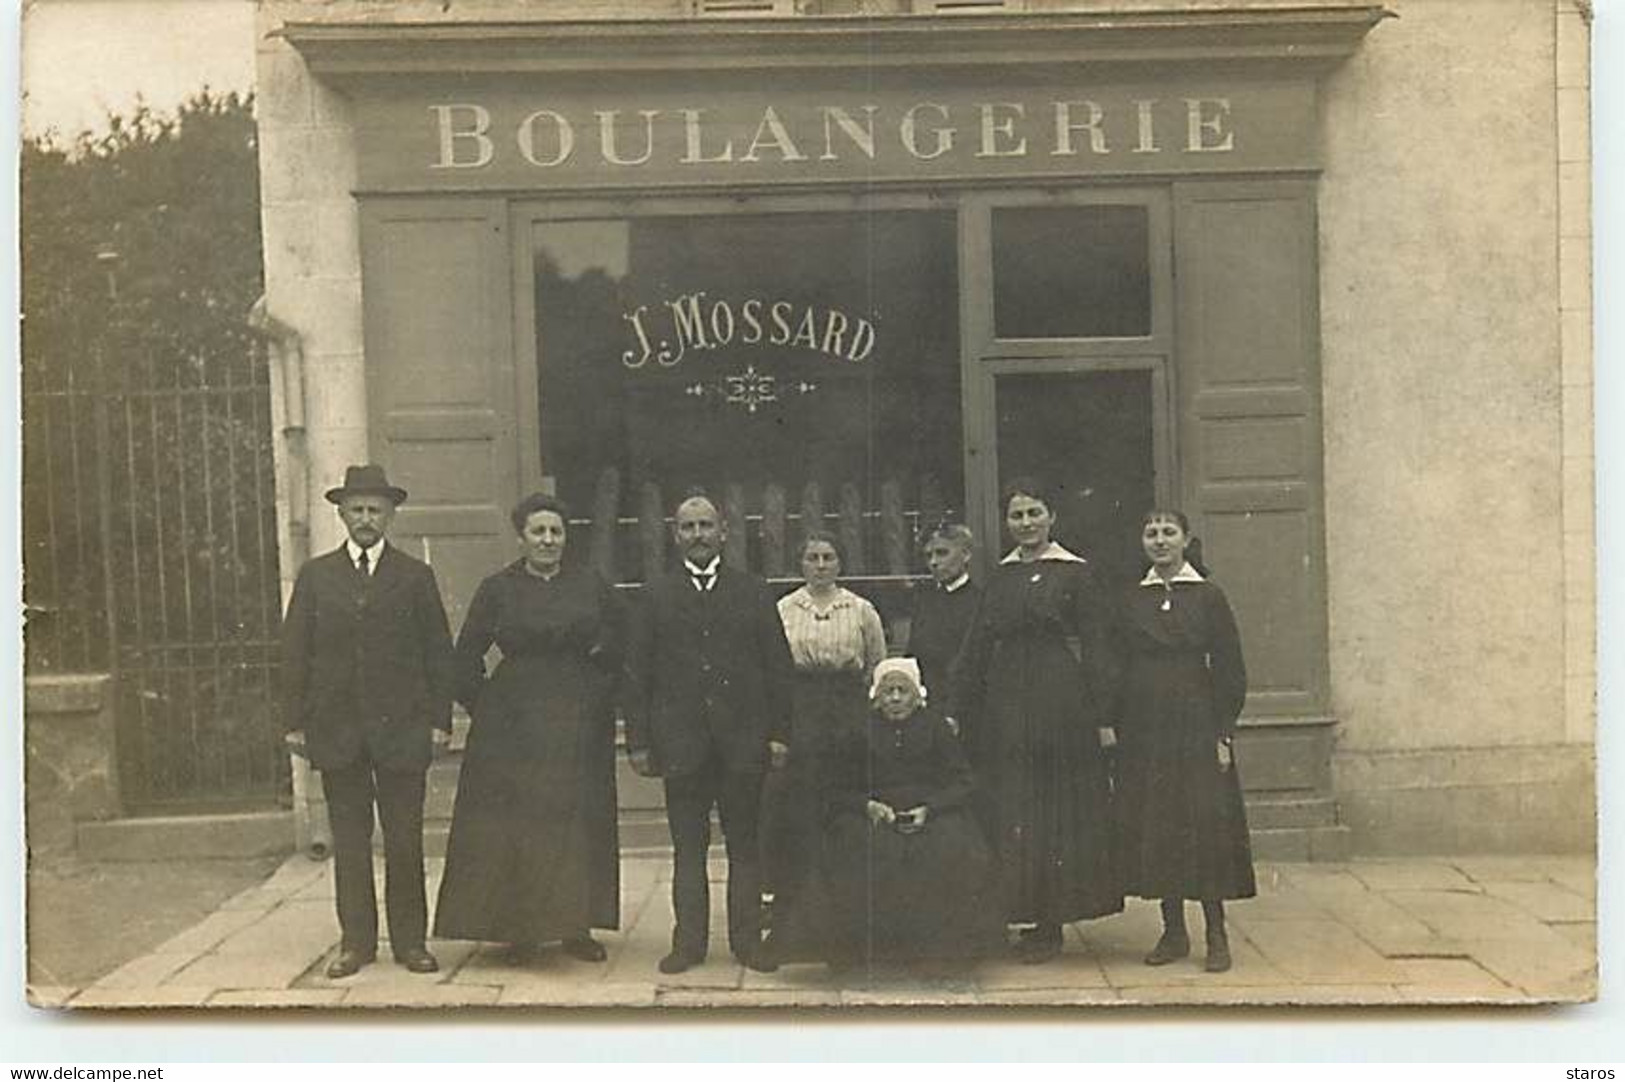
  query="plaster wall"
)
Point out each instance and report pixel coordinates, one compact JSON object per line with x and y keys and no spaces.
{"x":1442,"y":385}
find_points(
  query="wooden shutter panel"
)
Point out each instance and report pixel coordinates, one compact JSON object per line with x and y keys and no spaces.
{"x":441,"y":392}
{"x":1249,"y":398}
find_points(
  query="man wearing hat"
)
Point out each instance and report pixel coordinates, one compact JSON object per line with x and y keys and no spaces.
{"x":367,"y":678}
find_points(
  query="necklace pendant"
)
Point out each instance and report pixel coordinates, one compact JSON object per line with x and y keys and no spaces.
{"x":1167,"y":604}
{"x":1037,"y":575}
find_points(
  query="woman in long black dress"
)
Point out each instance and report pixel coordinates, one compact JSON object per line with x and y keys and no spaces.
{"x":532,"y":856}
{"x":905,"y":870}
{"x":1183,"y":685}
{"x":1029,"y":690}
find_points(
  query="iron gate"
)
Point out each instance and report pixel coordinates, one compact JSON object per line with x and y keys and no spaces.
{"x":150,"y":553}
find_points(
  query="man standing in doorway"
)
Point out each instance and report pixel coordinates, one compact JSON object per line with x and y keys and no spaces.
{"x":367,"y":678}
{"x":708,"y":710}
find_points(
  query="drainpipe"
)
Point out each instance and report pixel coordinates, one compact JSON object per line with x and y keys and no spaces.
{"x":312,"y":833}
{"x":288,"y":362}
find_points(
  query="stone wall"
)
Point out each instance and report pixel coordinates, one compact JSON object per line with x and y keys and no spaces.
{"x":70,"y":759}
{"x":1457,"y":431}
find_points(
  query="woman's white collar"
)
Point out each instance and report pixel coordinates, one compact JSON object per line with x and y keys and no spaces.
{"x":1053,"y":551}
{"x":1186,"y":573}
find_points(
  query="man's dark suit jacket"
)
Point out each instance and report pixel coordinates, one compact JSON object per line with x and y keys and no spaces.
{"x":706,"y":671}
{"x":367,"y":664}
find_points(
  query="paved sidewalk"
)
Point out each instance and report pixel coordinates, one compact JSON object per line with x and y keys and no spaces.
{"x":1468,"y":930}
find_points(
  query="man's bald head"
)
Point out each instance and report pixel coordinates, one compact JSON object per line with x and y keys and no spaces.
{"x":700,"y":530}
{"x":697,"y":503}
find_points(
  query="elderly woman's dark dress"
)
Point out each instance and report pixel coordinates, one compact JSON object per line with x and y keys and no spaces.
{"x":885,"y":894}
{"x":532,"y":855}
{"x":1183,"y":685}
{"x":1029,"y":690}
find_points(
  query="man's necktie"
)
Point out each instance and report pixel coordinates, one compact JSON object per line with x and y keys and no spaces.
{"x":361,"y":564}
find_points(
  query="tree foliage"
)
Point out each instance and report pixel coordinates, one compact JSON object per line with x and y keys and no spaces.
{"x":144,"y":240}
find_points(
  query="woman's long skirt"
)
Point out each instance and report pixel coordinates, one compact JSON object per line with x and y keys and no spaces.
{"x":533,"y":855}
{"x":823,"y":705}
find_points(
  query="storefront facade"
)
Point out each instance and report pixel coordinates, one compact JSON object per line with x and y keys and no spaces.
{"x":859,"y":270}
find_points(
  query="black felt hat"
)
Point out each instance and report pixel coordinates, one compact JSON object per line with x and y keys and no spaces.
{"x":366,"y":481}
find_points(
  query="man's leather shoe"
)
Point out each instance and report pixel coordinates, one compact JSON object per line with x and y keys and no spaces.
{"x":418,"y":960}
{"x":348,"y":963}
{"x":679,"y":962}
{"x":585,"y":948}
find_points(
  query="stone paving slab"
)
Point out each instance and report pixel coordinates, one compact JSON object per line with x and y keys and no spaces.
{"x":911,"y":997}
{"x":1554,"y":969}
{"x":212,"y":930}
{"x":424,"y":995}
{"x":254,"y":898}
{"x":1251,"y":968}
{"x":546,"y":994}
{"x":1071,"y":970}
{"x":279,"y":997}
{"x":1582,"y":934}
{"x":753,"y":997}
{"x":1320,"y":884}
{"x":1450,"y":976}
{"x":1265,"y":995}
{"x":147,"y":971}
{"x":1385,"y":932}
{"x":1580,"y":878}
{"x":1052,"y":997}
{"x":1412,"y":875}
{"x":215,"y":972}
{"x":1464,"y":916}
{"x":1467,"y":997}
{"x":295,"y":873}
{"x":1545,"y":901}
{"x":50,"y":995}
{"x":99,"y":998}
{"x":1502,"y":869}
{"x":1391,"y":930}
{"x":290,"y":922}
{"x":1322,"y":952}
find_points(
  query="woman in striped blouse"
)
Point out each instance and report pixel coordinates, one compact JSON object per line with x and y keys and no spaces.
{"x":836,"y":639}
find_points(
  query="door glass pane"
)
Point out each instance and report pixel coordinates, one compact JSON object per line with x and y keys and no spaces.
{"x":766,"y":353}
{"x":1088,"y":436}
{"x":1071,"y":272}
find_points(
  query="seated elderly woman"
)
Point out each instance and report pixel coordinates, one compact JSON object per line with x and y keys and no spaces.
{"x":906,"y":871}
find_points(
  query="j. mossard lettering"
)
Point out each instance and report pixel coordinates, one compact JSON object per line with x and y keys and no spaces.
{"x":694,"y":322}
{"x":469,"y":136}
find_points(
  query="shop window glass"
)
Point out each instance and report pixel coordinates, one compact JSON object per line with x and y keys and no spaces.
{"x":807,"y":364}
{"x":1071,"y":272}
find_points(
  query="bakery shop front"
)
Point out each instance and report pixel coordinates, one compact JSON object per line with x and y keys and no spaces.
{"x":857,"y":272}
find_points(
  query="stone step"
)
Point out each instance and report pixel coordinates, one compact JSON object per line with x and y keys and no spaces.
{"x":170,"y":837}
{"x":1282,"y":756}
{"x":1269,"y":812}
{"x":1333,"y":843}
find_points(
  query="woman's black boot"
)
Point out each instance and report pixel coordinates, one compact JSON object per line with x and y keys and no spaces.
{"x":1176,"y":941}
{"x":1218,"y":943}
